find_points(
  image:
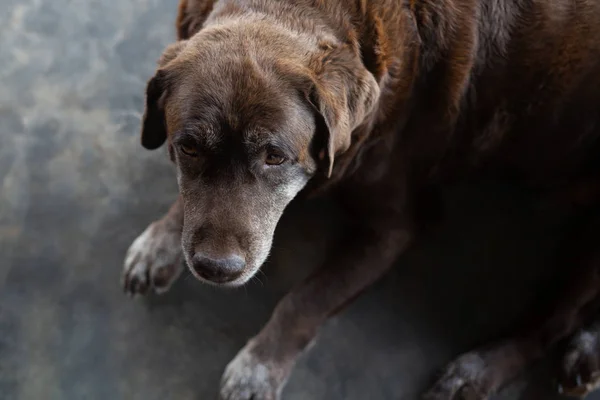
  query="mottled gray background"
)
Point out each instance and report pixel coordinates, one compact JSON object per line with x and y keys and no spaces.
{"x":76,"y":188}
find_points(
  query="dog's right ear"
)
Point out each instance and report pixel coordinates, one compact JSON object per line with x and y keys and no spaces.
{"x":154,"y":127}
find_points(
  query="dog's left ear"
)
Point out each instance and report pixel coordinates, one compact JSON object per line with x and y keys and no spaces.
{"x":344,"y":93}
{"x":154,"y":130}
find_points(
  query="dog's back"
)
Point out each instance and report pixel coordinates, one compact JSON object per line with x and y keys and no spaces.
{"x":534,"y":101}
{"x":529,"y":104}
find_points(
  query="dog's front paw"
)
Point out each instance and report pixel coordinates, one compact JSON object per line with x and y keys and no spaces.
{"x":248,"y":378}
{"x":467,"y":378}
{"x":153,"y":261}
{"x":580,"y":368}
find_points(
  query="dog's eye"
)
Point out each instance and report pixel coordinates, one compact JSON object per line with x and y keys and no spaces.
{"x":189,"y":150}
{"x":274,"y":158}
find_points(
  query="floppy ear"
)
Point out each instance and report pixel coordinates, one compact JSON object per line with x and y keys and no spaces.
{"x":344,"y":93}
{"x":154,"y":130}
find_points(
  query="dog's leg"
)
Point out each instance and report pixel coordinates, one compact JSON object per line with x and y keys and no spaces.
{"x":478,"y":374}
{"x":154,"y":260}
{"x":262,"y":367}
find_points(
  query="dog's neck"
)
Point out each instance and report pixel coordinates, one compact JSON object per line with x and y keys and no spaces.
{"x":423,"y":55}
{"x":408,"y":50}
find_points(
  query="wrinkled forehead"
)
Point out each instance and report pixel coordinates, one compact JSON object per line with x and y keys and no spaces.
{"x":235,"y":95}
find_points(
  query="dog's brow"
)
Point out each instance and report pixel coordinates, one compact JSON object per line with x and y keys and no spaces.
{"x":206,"y":136}
{"x":256,"y":136}
{"x":267,"y":138}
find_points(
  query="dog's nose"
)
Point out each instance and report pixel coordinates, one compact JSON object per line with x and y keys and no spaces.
{"x":218,"y":270}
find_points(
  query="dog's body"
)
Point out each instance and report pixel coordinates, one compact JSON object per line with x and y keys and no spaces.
{"x":377,"y":101}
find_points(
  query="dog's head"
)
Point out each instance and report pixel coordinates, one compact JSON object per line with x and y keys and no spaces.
{"x":250,"y":113}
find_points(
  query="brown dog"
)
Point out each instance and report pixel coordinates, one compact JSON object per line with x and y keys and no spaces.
{"x":377,"y":101}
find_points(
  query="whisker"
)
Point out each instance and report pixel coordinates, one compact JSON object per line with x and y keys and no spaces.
{"x":260,"y":271}
{"x":256,"y":278}
{"x":189,"y":274}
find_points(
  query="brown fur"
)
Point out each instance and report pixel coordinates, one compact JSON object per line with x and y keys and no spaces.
{"x":377,"y":101}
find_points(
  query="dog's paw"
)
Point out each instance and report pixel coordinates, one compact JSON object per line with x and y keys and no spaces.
{"x":580,"y":366}
{"x":153,"y":261}
{"x":467,"y":378}
{"x":248,"y":378}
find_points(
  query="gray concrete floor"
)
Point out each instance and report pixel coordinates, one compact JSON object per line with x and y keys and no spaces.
{"x":77,"y":188}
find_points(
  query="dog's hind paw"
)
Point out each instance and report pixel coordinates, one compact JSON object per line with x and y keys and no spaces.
{"x":248,"y":378}
{"x":153,"y":261}
{"x":580,"y":367}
